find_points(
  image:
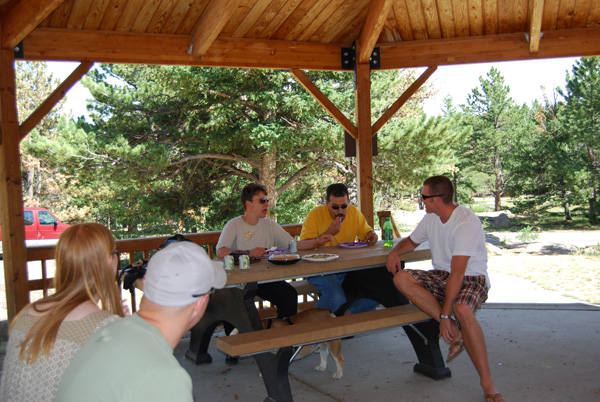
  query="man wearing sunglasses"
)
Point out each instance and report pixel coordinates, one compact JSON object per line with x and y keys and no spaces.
{"x":253,"y":233}
{"x":346,"y":224}
{"x":458,"y":285}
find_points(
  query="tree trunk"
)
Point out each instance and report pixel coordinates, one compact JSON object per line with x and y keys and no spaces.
{"x":268,"y":178}
{"x":498,"y":188}
{"x":568,"y":216}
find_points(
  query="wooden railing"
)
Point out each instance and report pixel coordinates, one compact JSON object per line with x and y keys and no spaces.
{"x":134,"y":248}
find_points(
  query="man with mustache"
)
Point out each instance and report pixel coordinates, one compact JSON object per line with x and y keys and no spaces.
{"x":346,"y":224}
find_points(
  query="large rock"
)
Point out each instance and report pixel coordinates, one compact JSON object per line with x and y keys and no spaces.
{"x":502,"y":221}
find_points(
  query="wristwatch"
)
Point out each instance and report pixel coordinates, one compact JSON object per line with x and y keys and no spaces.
{"x":449,"y":317}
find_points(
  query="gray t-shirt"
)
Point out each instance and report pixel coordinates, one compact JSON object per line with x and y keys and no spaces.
{"x":239,"y":235}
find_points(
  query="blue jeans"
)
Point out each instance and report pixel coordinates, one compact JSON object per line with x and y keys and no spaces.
{"x":332,"y":294}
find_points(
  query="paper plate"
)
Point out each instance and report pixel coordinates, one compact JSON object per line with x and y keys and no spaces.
{"x":320,"y":257}
{"x":356,"y":244}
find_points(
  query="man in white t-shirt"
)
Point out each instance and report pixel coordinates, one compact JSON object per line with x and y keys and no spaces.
{"x":458,"y":285}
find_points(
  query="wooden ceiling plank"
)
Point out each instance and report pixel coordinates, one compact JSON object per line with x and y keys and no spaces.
{"x":376,"y":15}
{"x":446,"y":18}
{"x":132,"y":9}
{"x":60,"y":16}
{"x":406,"y":95}
{"x":177,"y":16}
{"x":505,"y":17}
{"x":535,"y":25}
{"x":566,"y":10}
{"x":95,"y":14}
{"x":300,"y":20}
{"x":550,"y":15}
{"x":278,"y":20}
{"x":191,"y":18}
{"x":582,"y":11}
{"x":417,"y":19}
{"x":346,"y":23}
{"x":349,"y":33}
{"x":78,"y":14}
{"x":461,"y":18}
{"x":521,"y":15}
{"x":484,"y":49}
{"x":325,"y":102}
{"x":432,"y":19}
{"x":235,"y":20}
{"x":389,"y":33}
{"x":143,"y":18}
{"x":211,"y":23}
{"x":108,"y":47}
{"x":272,"y":12}
{"x":490,"y":17}
{"x":160,"y":17}
{"x":320,"y":19}
{"x":246,"y":24}
{"x":594,"y":15}
{"x":22,"y":16}
{"x":400,"y":11}
{"x":111,"y":15}
{"x":59,"y":93}
{"x":475,"y":11}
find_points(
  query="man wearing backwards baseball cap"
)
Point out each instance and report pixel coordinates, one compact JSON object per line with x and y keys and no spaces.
{"x":132,"y":360}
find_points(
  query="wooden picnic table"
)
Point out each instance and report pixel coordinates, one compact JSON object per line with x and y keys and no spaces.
{"x":236,"y":304}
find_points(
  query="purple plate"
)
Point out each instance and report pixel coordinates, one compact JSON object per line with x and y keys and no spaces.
{"x":356,"y":244}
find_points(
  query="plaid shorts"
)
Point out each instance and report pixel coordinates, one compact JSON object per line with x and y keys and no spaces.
{"x":473,"y":292}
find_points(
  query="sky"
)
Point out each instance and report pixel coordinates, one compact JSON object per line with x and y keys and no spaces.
{"x":525,"y":79}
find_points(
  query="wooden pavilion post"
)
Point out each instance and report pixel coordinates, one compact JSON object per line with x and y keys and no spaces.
{"x":11,"y":197}
{"x":364,"y":145}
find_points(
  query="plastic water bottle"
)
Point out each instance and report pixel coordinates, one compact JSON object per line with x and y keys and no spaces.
{"x":388,"y":233}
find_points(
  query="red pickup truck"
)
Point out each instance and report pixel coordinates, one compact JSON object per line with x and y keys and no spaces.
{"x":41,"y":227}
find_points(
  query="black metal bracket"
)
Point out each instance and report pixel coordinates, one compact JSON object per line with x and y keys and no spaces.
{"x":349,"y":58}
{"x":375,"y":59}
{"x":19,"y":51}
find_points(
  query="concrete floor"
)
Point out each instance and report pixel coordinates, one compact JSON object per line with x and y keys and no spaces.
{"x":541,"y":347}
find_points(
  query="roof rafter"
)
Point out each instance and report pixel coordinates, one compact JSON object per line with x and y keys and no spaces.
{"x":535,"y":25}
{"x":22,"y":17}
{"x":210,"y":25}
{"x":371,"y":29}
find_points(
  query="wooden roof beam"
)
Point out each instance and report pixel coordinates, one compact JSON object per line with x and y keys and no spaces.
{"x":62,"y":45}
{"x":22,"y":16}
{"x":535,"y":26}
{"x":484,"y":49}
{"x":210,"y":25}
{"x":371,"y":29}
{"x":55,"y":97}
{"x":47,"y":44}
{"x":325,"y":102}
{"x":410,"y":91}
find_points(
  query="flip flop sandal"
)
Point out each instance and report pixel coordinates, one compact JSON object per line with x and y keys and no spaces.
{"x":461,"y":346}
{"x":493,"y":397}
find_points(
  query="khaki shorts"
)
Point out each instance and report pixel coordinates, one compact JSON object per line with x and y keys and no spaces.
{"x":472,"y":293}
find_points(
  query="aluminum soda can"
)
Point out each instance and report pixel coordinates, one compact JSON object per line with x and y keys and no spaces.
{"x":244,"y":261}
{"x":228,"y":262}
{"x":293,"y":246}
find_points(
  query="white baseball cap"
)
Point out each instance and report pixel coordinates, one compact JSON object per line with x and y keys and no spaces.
{"x":180,"y":273}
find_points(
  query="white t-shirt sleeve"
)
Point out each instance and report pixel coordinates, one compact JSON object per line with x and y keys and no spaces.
{"x":228,"y":236}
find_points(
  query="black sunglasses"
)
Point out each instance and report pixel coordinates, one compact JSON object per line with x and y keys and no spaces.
{"x":423,"y":196}
{"x":263,"y":200}
{"x":116,"y":252}
{"x":336,"y":207}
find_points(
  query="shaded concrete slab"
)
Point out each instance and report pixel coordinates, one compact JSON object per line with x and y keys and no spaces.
{"x":535,"y":355}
